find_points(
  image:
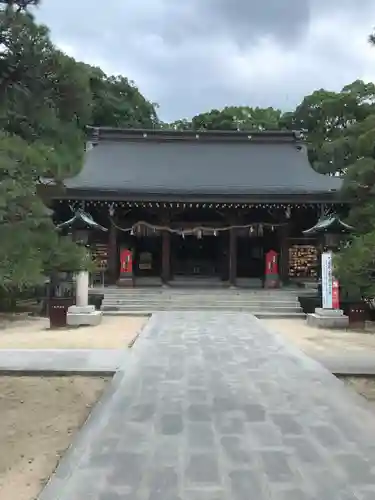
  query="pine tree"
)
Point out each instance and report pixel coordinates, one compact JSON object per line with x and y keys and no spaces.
{"x":38,"y":139}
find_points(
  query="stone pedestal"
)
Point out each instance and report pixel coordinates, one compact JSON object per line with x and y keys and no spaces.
{"x":328,"y":318}
{"x":82,"y":314}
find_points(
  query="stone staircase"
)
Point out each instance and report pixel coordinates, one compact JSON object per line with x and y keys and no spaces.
{"x":142,"y":301}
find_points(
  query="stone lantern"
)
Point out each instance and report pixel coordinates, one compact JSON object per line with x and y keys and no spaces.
{"x":82,"y":313}
{"x":80,"y":225}
{"x":330,"y":230}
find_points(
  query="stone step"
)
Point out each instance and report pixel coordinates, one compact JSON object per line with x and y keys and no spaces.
{"x":278,"y":315}
{"x":287,"y":290}
{"x":216,"y":303}
{"x":214,"y":296}
{"x":216,"y":290}
{"x":197,"y":307}
{"x":260,"y":315}
{"x":204,"y":298}
{"x":265,"y":303}
{"x":227,"y":296}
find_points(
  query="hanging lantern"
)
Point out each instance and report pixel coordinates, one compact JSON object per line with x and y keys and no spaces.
{"x":199,"y":234}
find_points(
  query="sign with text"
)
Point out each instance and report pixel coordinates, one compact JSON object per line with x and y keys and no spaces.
{"x":327,"y":280}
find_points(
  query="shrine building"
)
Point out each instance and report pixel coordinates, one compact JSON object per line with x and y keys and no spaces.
{"x":185,"y":206}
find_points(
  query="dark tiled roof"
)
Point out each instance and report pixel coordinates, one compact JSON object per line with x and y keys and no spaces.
{"x":224,"y":164}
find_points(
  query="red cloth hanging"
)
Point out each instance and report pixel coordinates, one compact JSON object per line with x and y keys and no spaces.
{"x":126,"y":261}
{"x":272,"y":278}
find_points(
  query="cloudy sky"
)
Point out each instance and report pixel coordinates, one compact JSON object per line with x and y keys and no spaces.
{"x":193,"y":55}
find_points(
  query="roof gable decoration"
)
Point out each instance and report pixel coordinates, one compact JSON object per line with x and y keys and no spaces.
{"x":331,"y":223}
{"x":81,"y":220}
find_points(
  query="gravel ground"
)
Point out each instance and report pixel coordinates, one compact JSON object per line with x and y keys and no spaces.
{"x":39,"y":418}
{"x":115,"y":332}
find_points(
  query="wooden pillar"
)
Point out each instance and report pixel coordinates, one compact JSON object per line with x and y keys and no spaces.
{"x":112,"y":253}
{"x":232,"y":256}
{"x":284,"y":252}
{"x":165,"y":248}
{"x":166,"y":256}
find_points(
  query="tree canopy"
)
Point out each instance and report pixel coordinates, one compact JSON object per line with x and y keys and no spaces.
{"x":353,"y":153}
{"x":46,"y":101}
{"x":323,"y":116}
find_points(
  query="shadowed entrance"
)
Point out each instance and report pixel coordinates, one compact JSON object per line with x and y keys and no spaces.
{"x":194,"y":256}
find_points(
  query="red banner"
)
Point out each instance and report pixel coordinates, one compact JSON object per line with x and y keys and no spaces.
{"x":335,"y":294}
{"x":272,"y":270}
{"x":126,"y":261}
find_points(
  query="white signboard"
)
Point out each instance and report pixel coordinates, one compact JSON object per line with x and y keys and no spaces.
{"x":327,"y":280}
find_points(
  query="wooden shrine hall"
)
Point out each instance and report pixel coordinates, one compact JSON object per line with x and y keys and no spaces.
{"x":184,"y":205}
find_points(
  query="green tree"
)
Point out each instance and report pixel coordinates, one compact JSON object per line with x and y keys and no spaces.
{"x":238,"y":118}
{"x":359,"y":182}
{"x":353,"y":153}
{"x":324,"y":116}
{"x":350,"y":149}
{"x":183,"y":124}
{"x":40,"y":136}
{"x":355,"y":267}
{"x":117,"y":102}
{"x":30,"y":244}
{"x":19,"y":5}
{"x":43,"y":93}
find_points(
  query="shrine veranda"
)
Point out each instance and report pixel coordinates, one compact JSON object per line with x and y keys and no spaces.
{"x":207,"y":205}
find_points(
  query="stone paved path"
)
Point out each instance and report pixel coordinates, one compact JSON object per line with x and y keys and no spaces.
{"x":107,"y":361}
{"x":214,"y":407}
{"x":346,"y":363}
{"x":54,"y":361}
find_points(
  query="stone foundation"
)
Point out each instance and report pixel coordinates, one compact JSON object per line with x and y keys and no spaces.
{"x":328,"y":318}
{"x":83,"y":316}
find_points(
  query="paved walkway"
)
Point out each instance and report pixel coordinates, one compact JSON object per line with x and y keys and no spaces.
{"x":60,"y":361}
{"x":346,"y":363}
{"x":214,"y":407}
{"x":108,"y":361}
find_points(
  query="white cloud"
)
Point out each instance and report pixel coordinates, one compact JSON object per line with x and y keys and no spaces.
{"x":190,"y":59}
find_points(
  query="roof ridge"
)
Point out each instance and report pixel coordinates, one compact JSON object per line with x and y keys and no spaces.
{"x":98,"y":133}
